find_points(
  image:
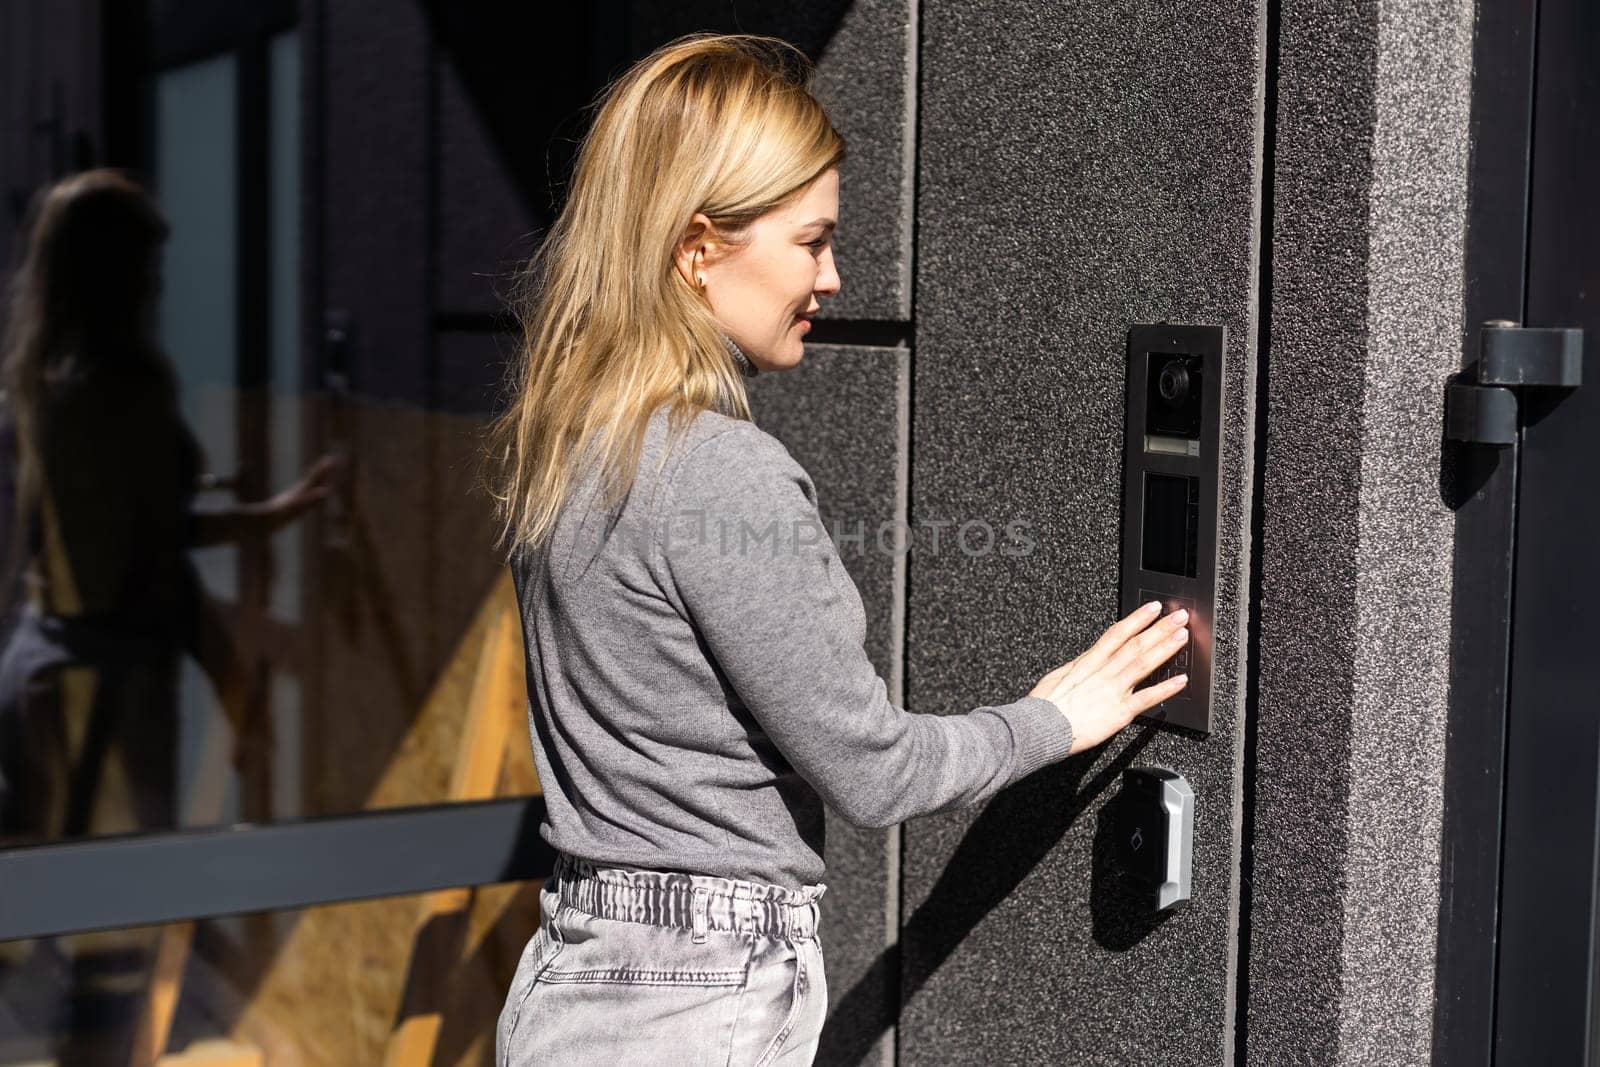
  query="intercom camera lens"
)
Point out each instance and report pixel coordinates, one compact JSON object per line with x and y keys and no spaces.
{"x":1174,"y":383}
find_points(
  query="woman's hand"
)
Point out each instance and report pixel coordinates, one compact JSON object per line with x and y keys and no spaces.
{"x":312,"y":489}
{"x":1095,"y":691}
{"x":263,"y":518}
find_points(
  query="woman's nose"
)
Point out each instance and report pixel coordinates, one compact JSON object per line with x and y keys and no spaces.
{"x":828,"y":277}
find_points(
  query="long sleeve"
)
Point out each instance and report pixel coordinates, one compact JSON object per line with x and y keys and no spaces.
{"x":750,"y":562}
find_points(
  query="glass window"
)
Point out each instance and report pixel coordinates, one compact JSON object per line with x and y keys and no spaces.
{"x":340,"y":220}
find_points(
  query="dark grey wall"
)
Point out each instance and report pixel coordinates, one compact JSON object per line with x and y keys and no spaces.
{"x":1369,"y":210}
{"x":1083,"y":167}
{"x":866,"y":76}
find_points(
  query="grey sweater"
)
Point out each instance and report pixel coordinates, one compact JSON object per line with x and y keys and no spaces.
{"x":698,"y":679}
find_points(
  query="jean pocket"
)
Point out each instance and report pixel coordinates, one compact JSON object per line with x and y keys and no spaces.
{"x":787,"y":989}
{"x":538,"y":954}
{"x":611,"y":951}
{"x":623,"y":992}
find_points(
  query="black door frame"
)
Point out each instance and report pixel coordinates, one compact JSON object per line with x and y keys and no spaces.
{"x":1481,"y":481}
{"x":1544,"y":1004}
{"x":1496,"y":880}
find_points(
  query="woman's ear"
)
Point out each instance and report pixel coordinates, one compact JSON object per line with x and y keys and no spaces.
{"x":694,"y":248}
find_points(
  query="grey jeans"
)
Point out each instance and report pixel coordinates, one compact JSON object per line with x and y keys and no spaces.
{"x":663,"y":968}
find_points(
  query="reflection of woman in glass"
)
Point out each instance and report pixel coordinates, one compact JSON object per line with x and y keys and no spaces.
{"x":105,"y":477}
{"x":698,"y":679}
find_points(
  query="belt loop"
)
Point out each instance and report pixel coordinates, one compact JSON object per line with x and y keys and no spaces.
{"x":701,"y":921}
{"x":814,"y":908}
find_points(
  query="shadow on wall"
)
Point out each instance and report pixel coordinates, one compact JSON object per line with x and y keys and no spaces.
{"x":987,"y":866}
{"x":1464,"y":469}
{"x":531,"y":70}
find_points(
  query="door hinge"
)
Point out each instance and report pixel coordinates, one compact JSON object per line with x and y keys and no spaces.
{"x":1480,"y":407}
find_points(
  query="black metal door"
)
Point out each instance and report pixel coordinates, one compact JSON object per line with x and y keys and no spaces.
{"x":1545,"y":976}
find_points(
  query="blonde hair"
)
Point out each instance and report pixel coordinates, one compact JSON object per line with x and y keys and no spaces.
{"x":719,"y":124}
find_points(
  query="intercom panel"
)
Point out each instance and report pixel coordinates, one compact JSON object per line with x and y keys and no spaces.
{"x":1170,"y":474}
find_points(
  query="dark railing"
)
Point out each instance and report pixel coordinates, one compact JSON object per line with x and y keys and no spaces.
{"x":140,"y":879}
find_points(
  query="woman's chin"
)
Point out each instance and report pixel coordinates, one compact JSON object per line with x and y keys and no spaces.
{"x":782,"y":356}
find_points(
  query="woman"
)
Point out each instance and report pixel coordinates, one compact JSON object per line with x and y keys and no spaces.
{"x":104,"y":517}
{"x":699,"y":685}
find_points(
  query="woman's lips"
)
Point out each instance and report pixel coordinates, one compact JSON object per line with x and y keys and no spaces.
{"x":805,"y":323}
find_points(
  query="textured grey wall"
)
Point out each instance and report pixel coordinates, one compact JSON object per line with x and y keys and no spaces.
{"x":842,"y":414}
{"x":866,"y":77}
{"x":1083,"y":167}
{"x":1366,"y":301}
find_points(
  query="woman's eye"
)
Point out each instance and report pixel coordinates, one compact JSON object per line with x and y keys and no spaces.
{"x":819,"y":244}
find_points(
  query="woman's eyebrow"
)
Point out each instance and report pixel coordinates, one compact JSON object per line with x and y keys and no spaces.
{"x":827,"y":224}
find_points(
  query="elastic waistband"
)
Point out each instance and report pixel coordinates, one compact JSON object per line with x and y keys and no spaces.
{"x":695,"y":902}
